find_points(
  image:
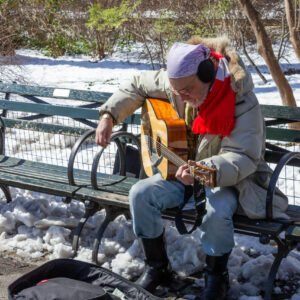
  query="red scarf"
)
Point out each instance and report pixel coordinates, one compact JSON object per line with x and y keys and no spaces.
{"x":216,"y":113}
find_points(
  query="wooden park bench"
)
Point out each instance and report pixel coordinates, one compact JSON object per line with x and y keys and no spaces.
{"x":47,"y":146}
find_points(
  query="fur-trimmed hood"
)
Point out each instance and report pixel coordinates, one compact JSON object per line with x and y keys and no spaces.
{"x":240,"y":78}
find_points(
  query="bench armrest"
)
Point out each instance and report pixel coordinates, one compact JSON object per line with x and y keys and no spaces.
{"x":74,"y":151}
{"x":272,"y":184}
{"x":116,"y":137}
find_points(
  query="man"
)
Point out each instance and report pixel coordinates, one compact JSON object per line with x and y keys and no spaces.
{"x":210,"y":88}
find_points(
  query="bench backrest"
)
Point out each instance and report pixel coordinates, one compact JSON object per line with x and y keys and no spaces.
{"x":65,"y":114}
{"x":43,"y":123}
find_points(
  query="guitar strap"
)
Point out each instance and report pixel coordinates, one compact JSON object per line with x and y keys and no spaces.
{"x":198,"y":190}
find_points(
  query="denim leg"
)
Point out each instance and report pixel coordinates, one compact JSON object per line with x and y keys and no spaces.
{"x":148,"y":198}
{"x":217,"y":226}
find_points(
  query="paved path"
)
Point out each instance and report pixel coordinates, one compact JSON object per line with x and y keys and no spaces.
{"x":11,"y":268}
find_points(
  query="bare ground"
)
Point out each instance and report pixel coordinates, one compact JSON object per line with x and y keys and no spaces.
{"x":11,"y":268}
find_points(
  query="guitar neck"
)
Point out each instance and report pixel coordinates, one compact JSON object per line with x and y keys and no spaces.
{"x":204,"y":174}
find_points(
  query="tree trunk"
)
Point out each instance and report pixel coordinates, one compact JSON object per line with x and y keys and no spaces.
{"x":294,"y":35}
{"x":264,"y":47}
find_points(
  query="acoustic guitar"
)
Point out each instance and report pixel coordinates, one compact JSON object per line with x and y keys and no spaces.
{"x":164,"y":143}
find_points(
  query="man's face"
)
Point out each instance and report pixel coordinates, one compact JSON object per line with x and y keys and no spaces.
{"x":190,"y":89}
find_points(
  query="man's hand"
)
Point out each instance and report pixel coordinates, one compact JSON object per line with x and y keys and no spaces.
{"x":103,"y":132}
{"x":183,"y":173}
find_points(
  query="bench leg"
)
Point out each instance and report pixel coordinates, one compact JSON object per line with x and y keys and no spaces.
{"x":67,"y":200}
{"x":282,"y":252}
{"x":127,"y":215}
{"x":90,"y":209}
{"x":6,"y":191}
{"x":111,"y":214}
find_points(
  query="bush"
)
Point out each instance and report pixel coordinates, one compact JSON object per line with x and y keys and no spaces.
{"x":86,"y":27}
{"x":106,"y":24}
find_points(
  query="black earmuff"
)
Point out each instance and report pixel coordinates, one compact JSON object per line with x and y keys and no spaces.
{"x":206,"y":71}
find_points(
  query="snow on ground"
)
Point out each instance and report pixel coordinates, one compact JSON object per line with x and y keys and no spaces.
{"x":36,"y":225}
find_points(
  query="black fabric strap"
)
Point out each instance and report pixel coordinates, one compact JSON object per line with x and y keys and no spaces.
{"x":200,"y":207}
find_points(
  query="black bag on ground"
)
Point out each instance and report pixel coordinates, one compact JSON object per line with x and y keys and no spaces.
{"x":67,"y":279}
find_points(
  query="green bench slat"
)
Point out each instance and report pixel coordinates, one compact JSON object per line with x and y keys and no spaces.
{"x":260,"y":226}
{"x":102,"y":197}
{"x":240,"y":222}
{"x":285,"y":135}
{"x":44,"y":174}
{"x":133,"y":119}
{"x":44,"y":127}
{"x":38,"y":170}
{"x":59,"y":173}
{"x":54,"y":128}
{"x":188,"y":216}
{"x":281,"y":112}
{"x":37,"y":185}
{"x":110,"y":185}
{"x":89,"y":96}
{"x":19,"y":164}
{"x":274,"y":157}
{"x":48,"y":109}
{"x":293,"y":233}
{"x":293,"y":212}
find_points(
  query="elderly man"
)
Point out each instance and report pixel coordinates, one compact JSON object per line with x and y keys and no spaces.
{"x":208,"y":86}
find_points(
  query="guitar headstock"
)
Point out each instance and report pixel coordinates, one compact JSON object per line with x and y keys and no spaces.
{"x":204,"y":174}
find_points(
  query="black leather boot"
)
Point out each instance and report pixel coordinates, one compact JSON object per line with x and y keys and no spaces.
{"x":157,"y":264}
{"x":216,"y":277}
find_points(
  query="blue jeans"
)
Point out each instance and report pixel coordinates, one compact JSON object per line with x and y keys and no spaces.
{"x":150,"y":196}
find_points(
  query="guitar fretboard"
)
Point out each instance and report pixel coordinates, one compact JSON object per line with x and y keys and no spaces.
{"x":205,"y":176}
{"x":168,"y":154}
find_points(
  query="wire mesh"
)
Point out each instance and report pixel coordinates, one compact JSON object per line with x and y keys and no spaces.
{"x":54,"y":148}
{"x":289,"y":178}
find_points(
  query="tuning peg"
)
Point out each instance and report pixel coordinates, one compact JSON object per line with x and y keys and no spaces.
{"x":203,"y":163}
{"x":212,"y":164}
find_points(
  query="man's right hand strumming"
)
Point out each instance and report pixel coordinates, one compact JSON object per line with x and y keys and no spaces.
{"x":104,"y":130}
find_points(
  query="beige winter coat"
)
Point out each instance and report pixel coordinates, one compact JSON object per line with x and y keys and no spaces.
{"x":239,"y":157}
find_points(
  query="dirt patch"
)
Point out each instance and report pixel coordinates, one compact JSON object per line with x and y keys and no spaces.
{"x":11,"y":268}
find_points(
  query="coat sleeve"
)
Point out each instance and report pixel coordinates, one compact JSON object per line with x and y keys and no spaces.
{"x":240,"y":152}
{"x":131,"y":95}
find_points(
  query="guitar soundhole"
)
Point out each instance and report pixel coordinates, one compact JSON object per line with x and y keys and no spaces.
{"x":158,"y":146}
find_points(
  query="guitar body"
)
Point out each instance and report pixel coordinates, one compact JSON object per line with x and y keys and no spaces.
{"x":161,"y":127}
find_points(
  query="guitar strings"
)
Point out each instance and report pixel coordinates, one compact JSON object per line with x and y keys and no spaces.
{"x":174,"y":158}
{"x":169,"y":153}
